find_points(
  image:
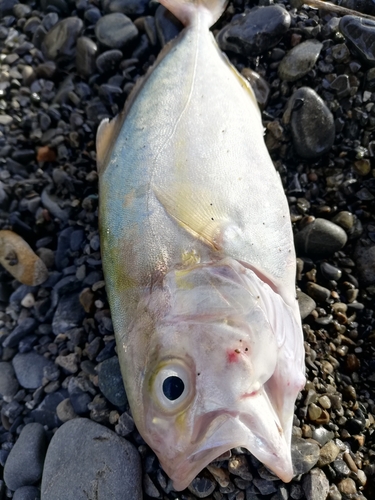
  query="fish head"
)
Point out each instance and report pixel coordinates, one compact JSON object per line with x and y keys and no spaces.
{"x":204,"y":386}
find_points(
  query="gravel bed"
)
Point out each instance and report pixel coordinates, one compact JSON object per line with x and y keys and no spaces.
{"x":66,"y":429}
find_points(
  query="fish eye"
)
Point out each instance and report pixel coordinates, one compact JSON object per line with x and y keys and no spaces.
{"x":172,"y":386}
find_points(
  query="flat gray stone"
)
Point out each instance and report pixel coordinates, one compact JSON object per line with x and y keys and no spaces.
{"x":86,"y":460}
{"x":24,"y":464}
{"x":29,"y":369}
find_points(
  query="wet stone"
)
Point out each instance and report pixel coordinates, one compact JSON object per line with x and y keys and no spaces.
{"x":29,"y":368}
{"x":330,"y":272}
{"x":341,"y":468}
{"x":256,"y":31}
{"x":108,"y":61}
{"x":22,"y":330}
{"x":86,"y":56}
{"x":305,"y":455}
{"x":113,"y":471}
{"x":202,"y":487}
{"x":110,"y":382}
{"x":299,"y":60}
{"x":25,"y":461}
{"x":315,"y":485}
{"x":311,"y":123}
{"x":60,"y":41}
{"x":355,"y":425}
{"x":115,"y":31}
{"x":360,"y":34}
{"x":8,"y":382}
{"x":319,"y":239}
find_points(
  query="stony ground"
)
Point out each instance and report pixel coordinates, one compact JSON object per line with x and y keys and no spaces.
{"x":65,"y":66}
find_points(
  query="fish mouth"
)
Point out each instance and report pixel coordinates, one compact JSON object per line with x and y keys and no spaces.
{"x":258,"y":430}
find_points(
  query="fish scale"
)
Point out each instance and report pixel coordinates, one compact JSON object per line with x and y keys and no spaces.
{"x":199,"y":261}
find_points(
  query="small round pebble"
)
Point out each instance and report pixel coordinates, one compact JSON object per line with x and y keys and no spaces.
{"x":300,"y":60}
{"x":115,"y":31}
{"x":25,"y":461}
{"x":29,"y":367}
{"x":320,"y":239}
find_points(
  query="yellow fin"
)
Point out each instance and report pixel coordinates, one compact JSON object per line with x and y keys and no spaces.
{"x":196,"y":211}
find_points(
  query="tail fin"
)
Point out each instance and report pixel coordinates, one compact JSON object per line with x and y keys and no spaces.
{"x":185,"y":10}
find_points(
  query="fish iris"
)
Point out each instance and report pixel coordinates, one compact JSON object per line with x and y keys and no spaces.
{"x":173,"y":387}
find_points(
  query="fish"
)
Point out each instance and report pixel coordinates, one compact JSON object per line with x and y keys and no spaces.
{"x":199,"y":262}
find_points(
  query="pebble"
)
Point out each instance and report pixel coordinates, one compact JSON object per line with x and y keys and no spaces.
{"x":364,"y":256}
{"x":27,"y":493}
{"x":29,"y":367}
{"x":86,"y":56}
{"x":315,"y":485}
{"x":115,"y":31}
{"x":347,"y":486}
{"x":306,"y":304}
{"x":108,"y":61}
{"x":68,"y":362}
{"x":110,"y":381}
{"x":27,"y":326}
{"x":202,"y":487}
{"x":360,"y":34}
{"x":60,"y":42}
{"x":256,"y":31}
{"x":93,"y":461}
{"x":311,"y":123}
{"x":305,"y":455}
{"x":19,"y":259}
{"x":318,"y":292}
{"x":328,"y":453}
{"x":24,"y":464}
{"x":128,"y":7}
{"x":321,"y":238}
{"x":69,"y":314}
{"x":341,"y":468}
{"x":8,"y":382}
{"x":299,"y":60}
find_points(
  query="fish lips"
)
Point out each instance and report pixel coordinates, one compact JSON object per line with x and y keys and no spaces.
{"x":255,"y":427}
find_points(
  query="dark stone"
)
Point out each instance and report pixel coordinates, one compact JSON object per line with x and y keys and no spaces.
{"x":60,"y":41}
{"x":202,"y":487}
{"x":311,"y":123}
{"x":127,"y":7}
{"x":86,"y":55}
{"x":319,"y":239}
{"x":27,"y":326}
{"x":8,"y":382}
{"x":305,"y":455}
{"x":45,"y":413}
{"x":109,"y":61}
{"x":80,"y":400}
{"x":360,"y":34}
{"x":115,"y":31}
{"x":256,"y":31}
{"x":167,"y":25}
{"x":69,"y":314}
{"x":306,"y":304}
{"x":93,"y":461}
{"x":25,"y":461}
{"x":27,"y":493}
{"x":110,"y":382}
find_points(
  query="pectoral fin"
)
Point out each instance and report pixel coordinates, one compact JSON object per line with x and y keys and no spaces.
{"x":197,"y":211}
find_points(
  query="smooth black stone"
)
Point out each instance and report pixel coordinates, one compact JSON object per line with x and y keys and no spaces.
{"x":110,"y":382}
{"x":29,"y":368}
{"x":127,"y":7}
{"x":115,"y":31}
{"x":92,"y":15}
{"x":27,"y":493}
{"x":360,"y":34}
{"x":311,"y":123}
{"x":330,"y":272}
{"x":69,"y":314}
{"x":109,"y":61}
{"x":60,"y":41}
{"x":107,"y":352}
{"x":167,"y":25}
{"x":25,"y":461}
{"x":27,"y":326}
{"x":24,"y":156}
{"x":320,"y":239}
{"x":355,"y":425}
{"x":256,"y":31}
{"x":202,"y":487}
{"x":86,"y":55}
{"x":63,"y":247}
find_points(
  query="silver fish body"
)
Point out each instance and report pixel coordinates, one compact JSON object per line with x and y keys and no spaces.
{"x":199,"y":261}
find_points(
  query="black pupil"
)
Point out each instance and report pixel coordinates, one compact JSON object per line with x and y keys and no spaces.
{"x":173,"y":387}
